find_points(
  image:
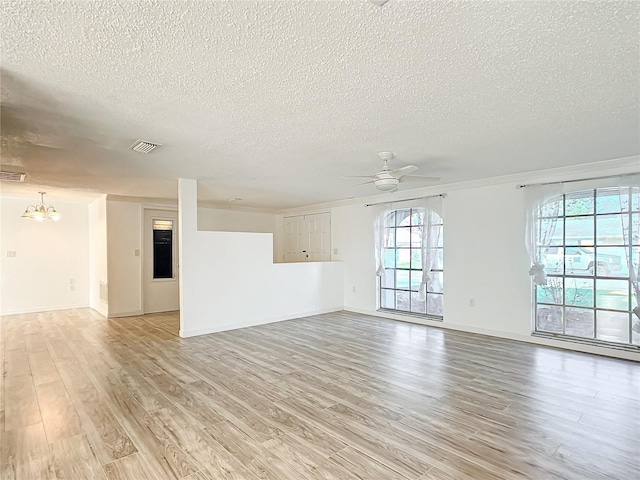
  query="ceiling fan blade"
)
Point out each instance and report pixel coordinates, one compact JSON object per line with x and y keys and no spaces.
{"x":359,"y":176}
{"x":365,"y":183}
{"x":401,"y":172}
{"x":419,"y":178}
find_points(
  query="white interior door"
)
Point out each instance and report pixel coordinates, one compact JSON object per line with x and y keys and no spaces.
{"x":307,"y":238}
{"x":318,"y":228}
{"x":293,"y":240}
{"x":160,"y":261}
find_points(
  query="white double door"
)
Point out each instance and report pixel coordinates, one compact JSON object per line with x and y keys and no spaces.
{"x":308,"y":238}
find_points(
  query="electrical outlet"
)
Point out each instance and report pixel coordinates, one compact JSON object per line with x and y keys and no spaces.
{"x":472,"y":302}
{"x":335,"y":251}
{"x":11,"y":253}
{"x":354,"y":289}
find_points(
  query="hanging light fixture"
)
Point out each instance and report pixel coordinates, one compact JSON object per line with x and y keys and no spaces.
{"x":41,"y":212}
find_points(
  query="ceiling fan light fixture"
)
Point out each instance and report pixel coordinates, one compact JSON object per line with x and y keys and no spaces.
{"x":386,"y":184}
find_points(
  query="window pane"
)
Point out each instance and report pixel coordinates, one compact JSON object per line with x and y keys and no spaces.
{"x":416,"y":217}
{"x":403,"y":237}
{"x":635,"y":229}
{"x":612,"y":200}
{"x":388,"y":278}
{"x":579,"y":260}
{"x":612,"y":294}
{"x":635,"y":198}
{"x":579,"y":322}
{"x":416,"y":279}
{"x":579,"y":203}
{"x":402,"y":279}
{"x":613,"y":326}
{"x":552,"y":292}
{"x":578,"y":291}
{"x":402,"y":301}
{"x":387,"y":299}
{"x":609,"y":228}
{"x":553,"y":260}
{"x":416,"y":237}
{"x":390,"y":238}
{"x":612,"y":261}
{"x":553,"y":208}
{"x":579,"y":231}
{"x":403,"y":258}
{"x":549,"y":319}
{"x":434,"y":304}
{"x":389,"y":258}
{"x":418,"y":303}
{"x":552,"y":227}
{"x":163,"y":251}
{"x":403,"y":217}
{"x":416,"y":258}
{"x":391,"y":219}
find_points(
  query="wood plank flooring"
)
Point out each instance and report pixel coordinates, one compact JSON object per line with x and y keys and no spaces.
{"x":339,"y":396}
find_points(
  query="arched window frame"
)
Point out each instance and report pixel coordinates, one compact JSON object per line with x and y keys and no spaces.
{"x":409,"y":243}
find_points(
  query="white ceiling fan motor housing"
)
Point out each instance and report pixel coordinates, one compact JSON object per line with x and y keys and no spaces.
{"x":386,"y":182}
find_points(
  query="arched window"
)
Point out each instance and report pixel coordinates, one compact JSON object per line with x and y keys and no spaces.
{"x":412,"y":277}
{"x":586,"y":265}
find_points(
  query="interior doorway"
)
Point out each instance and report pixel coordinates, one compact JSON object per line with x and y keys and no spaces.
{"x":160,"y":271}
{"x":307,"y":238}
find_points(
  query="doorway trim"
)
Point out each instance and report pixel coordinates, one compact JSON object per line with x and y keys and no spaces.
{"x":158,"y":207}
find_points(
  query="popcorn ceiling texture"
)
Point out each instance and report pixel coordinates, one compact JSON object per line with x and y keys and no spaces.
{"x":274,"y":101}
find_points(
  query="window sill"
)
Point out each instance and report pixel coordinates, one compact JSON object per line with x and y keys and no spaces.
{"x":587,"y":341}
{"x":425,"y":316}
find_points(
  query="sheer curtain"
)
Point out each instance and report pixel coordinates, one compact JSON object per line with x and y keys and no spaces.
{"x":631,"y":232}
{"x":431,"y":232}
{"x":539,"y":233}
{"x":380,"y":224}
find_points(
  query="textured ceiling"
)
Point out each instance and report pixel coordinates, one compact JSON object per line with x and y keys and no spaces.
{"x":273,"y":101}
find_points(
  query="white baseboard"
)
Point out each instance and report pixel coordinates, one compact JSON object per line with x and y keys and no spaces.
{"x":125,"y":314}
{"x":42,"y":309}
{"x":254,"y":323}
{"x":548,"y":342}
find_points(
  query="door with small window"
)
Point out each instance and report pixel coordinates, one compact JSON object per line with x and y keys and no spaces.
{"x":160,"y":261}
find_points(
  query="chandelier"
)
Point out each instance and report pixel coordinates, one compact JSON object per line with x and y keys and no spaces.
{"x":41,"y":211}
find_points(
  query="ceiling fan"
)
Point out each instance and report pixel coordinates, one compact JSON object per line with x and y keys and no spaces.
{"x":388,"y":180}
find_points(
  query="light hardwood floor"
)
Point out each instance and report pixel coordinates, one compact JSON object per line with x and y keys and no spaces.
{"x":335,"y":397}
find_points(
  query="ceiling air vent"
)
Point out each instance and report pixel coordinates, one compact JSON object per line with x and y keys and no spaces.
{"x":143,"y":146}
{"x":12,"y":176}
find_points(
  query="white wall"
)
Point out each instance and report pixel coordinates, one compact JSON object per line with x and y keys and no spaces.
{"x":485,"y":257}
{"x":98,"y":254}
{"x":48,"y":255}
{"x":124,"y":238}
{"x":228,"y":279}
{"x":217,"y":219}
